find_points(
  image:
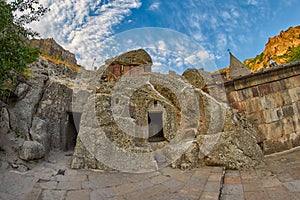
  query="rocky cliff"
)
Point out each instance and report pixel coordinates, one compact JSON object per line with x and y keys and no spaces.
{"x":282,"y":48}
{"x":32,"y":119}
{"x":50,"y":47}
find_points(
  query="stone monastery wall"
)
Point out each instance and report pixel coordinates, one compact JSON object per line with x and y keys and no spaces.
{"x":271,"y":101}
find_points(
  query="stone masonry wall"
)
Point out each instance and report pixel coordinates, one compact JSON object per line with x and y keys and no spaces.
{"x":271,"y":101}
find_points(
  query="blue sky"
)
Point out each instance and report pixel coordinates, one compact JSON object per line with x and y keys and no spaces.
{"x":177,"y":34}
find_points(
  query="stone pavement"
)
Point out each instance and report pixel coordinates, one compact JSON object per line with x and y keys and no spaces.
{"x":43,"y":183}
{"x":278,"y":179}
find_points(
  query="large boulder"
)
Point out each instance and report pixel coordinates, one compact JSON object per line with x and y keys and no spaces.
{"x":32,"y":150}
{"x":234,"y":150}
{"x":134,"y":57}
{"x":198,"y":78}
{"x":115,"y":131}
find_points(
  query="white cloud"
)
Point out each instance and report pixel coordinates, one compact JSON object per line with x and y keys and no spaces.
{"x":252,"y":2}
{"x":221,"y":42}
{"x":154,"y":6}
{"x":162,"y":45}
{"x":80,"y":26}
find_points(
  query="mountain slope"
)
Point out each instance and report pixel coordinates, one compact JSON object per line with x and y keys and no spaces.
{"x":282,"y":48}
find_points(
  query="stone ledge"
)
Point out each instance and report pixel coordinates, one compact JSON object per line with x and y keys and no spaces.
{"x":270,"y":75}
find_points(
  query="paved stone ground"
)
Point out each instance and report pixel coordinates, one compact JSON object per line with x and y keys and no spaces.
{"x":42,"y":182}
{"x":278,"y":179}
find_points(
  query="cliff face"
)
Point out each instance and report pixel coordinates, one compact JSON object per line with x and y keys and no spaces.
{"x":282,"y":48}
{"x":51,"y":48}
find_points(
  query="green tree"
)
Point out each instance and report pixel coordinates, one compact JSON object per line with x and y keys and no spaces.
{"x":15,"y":52}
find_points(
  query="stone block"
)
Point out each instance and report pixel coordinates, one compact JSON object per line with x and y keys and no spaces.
{"x":282,"y":84}
{"x":276,"y":145}
{"x":270,"y":101}
{"x":78,"y":195}
{"x":295,"y":139}
{"x":276,"y":87}
{"x":103,"y":193}
{"x":264,"y":89}
{"x":292,"y":82}
{"x":232,"y":180}
{"x":294,"y":94}
{"x":51,"y":185}
{"x":285,"y":96}
{"x":53,"y":194}
{"x":253,"y":186}
{"x":255,"y":92}
{"x":293,"y":186}
{"x":254,"y":105}
{"x":271,"y":115}
{"x":240,"y":106}
{"x":256,"y":117}
{"x":255,"y":195}
{"x":277,"y":98}
{"x":270,"y":182}
{"x":278,"y":192}
{"x":295,"y":80}
{"x":271,"y":130}
{"x":209,"y":195}
{"x":66,"y":185}
{"x":288,"y":111}
{"x":233,"y":189}
{"x":296,"y":121}
{"x":246,"y":93}
{"x":287,"y":126}
{"x":234,"y":97}
{"x":297,"y":107}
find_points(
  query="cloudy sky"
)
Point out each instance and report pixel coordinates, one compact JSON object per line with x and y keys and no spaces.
{"x":176,"y":33}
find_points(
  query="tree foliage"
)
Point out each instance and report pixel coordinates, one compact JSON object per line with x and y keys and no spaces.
{"x":15,"y":52}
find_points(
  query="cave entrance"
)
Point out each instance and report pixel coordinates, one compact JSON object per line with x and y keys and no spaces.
{"x":72,"y":130}
{"x":155,"y":126}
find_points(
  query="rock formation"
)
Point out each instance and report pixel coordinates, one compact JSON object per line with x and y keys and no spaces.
{"x":147,"y":121}
{"x":51,"y":48}
{"x":281,"y":48}
{"x":141,"y":121}
{"x":32,"y":121}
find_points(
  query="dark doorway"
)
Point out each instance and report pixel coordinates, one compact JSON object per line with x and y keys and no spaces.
{"x":155,"y":125}
{"x":72,"y":130}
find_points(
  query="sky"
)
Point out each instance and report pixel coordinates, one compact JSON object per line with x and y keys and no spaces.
{"x":178,"y":34}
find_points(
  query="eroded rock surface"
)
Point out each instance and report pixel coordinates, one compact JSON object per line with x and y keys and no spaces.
{"x":196,"y":129}
{"x":34,"y":118}
{"x":32,"y":150}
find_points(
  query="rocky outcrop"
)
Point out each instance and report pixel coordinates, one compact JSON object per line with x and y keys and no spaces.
{"x":133,"y":62}
{"x":191,"y":128}
{"x":36,"y":113}
{"x":50,"y":47}
{"x":198,"y":78}
{"x":134,"y":57}
{"x":280,"y":48}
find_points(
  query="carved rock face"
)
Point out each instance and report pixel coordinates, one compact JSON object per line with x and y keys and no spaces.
{"x":119,"y":118}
